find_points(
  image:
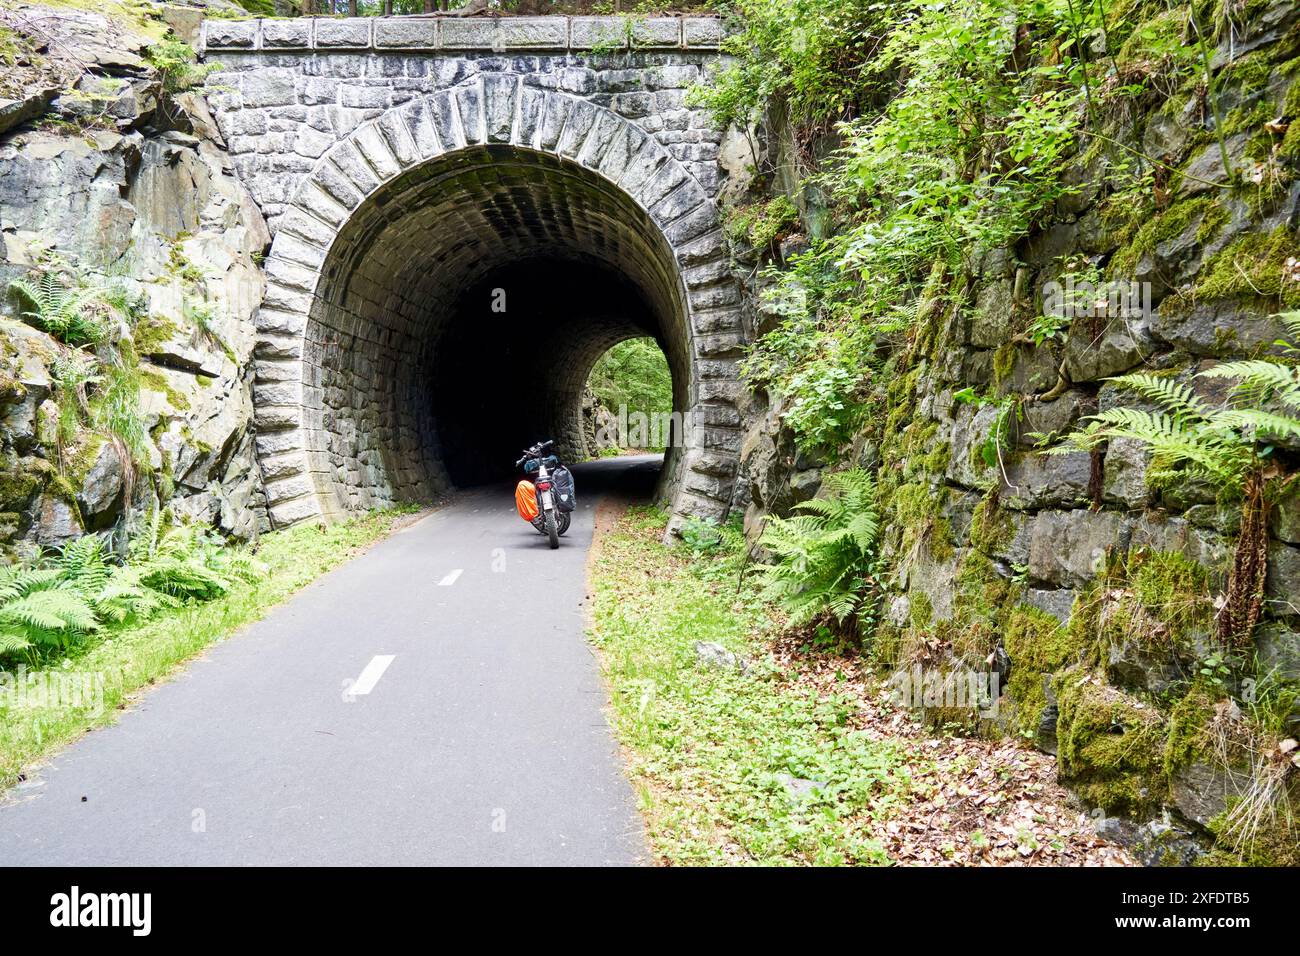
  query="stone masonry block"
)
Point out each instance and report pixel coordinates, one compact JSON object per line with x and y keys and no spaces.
{"x":229,"y":34}
{"x":534,"y":33}
{"x":656,"y":32}
{"x":352,"y":34}
{"x":286,"y":34}
{"x":400,"y":33}
{"x":603,"y":33}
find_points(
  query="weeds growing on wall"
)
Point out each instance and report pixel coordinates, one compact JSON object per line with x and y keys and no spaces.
{"x":952,"y":140}
{"x":96,"y":370}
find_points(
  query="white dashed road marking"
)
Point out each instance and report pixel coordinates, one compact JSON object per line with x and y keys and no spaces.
{"x":450,"y":579}
{"x":370,"y":676}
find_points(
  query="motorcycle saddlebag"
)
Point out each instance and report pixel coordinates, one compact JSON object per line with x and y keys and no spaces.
{"x":562,"y":480}
{"x":526,"y":500}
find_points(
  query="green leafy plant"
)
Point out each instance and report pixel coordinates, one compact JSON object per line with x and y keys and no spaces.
{"x":178,"y":65}
{"x":998,"y":440}
{"x":809,"y":53}
{"x":37,"y":608}
{"x":1191,"y":438}
{"x":1228,"y":446}
{"x":70,"y":308}
{"x":956,"y":124}
{"x":760,"y":225}
{"x":824,"y":567}
{"x":73,"y":593}
{"x":701,"y":536}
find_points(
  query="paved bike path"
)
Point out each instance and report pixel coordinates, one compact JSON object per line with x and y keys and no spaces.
{"x":482,"y":741}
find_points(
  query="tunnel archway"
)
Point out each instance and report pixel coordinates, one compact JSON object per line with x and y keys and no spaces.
{"x":448,"y":275}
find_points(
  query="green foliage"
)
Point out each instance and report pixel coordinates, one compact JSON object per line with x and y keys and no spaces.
{"x":760,"y":225}
{"x":57,"y":602}
{"x":998,"y":440}
{"x":701,"y":535}
{"x":177,"y":63}
{"x":1191,"y":438}
{"x":812,"y":54}
{"x":634,"y":374}
{"x":824,"y":411}
{"x":958,"y":149}
{"x":825,"y":557}
{"x":69,"y":307}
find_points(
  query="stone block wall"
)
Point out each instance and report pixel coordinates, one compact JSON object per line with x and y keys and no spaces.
{"x":288,"y":90}
{"x":1092,"y":592}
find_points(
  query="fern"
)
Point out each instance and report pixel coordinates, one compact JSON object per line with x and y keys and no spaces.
{"x":82,"y":566}
{"x":73,"y":313}
{"x":52,"y":617}
{"x":825,"y":554}
{"x":1226,"y":446}
{"x":1189,"y":438}
{"x":84,"y":586}
{"x":12,"y":640}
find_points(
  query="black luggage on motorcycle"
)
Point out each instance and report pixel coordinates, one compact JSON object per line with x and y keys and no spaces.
{"x":562,"y":481}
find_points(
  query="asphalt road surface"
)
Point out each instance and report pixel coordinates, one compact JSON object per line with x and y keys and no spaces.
{"x":431,"y":702}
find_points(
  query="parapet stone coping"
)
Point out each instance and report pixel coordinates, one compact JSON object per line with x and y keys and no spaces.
{"x":409,"y":34}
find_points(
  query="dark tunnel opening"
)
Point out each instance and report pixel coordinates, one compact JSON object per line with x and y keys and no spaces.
{"x":460,"y":312}
{"x":544,"y":322}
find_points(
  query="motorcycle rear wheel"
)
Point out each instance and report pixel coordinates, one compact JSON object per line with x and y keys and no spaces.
{"x":552,"y":532}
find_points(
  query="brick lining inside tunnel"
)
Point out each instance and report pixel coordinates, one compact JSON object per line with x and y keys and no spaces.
{"x":383,"y":372}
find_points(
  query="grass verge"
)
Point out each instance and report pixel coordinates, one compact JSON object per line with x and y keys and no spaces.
{"x":127,"y":657}
{"x":729,"y":767}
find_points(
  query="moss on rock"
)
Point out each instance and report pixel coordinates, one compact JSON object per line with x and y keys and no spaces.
{"x":1189,"y":730}
{"x":1111,"y":745}
{"x":1251,"y":266}
{"x":1169,"y":224}
{"x":1038,"y":645}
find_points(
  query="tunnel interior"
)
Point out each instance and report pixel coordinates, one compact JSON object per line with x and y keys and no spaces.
{"x":460,"y":312}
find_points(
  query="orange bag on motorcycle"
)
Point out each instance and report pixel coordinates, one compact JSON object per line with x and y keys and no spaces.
{"x":526,"y":500}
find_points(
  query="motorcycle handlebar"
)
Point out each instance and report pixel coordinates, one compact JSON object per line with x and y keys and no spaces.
{"x":535,"y":452}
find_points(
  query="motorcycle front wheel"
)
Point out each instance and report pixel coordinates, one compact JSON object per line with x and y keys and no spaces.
{"x":552,"y":532}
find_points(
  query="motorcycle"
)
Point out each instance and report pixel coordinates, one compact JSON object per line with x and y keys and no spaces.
{"x":545,"y":498}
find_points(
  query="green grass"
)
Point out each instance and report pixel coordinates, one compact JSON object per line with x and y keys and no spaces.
{"x":129,"y":656}
{"x":707,"y":747}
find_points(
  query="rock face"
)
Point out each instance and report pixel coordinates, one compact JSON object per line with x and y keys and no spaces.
{"x":135,"y":190}
{"x":600,"y":425}
{"x":983,"y":531}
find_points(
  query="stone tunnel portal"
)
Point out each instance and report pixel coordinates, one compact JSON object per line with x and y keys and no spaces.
{"x":460,"y":312}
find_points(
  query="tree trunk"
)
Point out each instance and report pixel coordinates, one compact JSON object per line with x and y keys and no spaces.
{"x":352,"y":8}
{"x":388,"y":8}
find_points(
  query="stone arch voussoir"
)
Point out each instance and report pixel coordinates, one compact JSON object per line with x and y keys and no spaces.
{"x":493,"y":109}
